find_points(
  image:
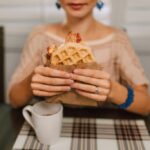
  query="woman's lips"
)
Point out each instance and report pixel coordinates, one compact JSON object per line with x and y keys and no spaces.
{"x":76,"y":6}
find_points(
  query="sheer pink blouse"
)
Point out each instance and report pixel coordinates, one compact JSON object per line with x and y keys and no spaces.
{"x":114,"y":52}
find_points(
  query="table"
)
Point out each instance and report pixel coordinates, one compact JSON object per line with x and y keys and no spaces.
{"x":11,"y":120}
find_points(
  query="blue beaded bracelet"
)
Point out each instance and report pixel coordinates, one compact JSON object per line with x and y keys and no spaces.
{"x":129,"y":99}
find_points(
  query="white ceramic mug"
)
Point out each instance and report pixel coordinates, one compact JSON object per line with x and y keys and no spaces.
{"x":46,"y":120}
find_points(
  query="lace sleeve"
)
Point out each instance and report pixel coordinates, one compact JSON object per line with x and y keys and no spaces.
{"x":30,"y":57}
{"x":131,"y":70}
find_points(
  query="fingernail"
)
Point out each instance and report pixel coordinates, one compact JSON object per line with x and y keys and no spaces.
{"x":71,"y":81}
{"x":71,"y":75}
{"x":72,"y":85}
{"x":68,"y":75}
{"x":68,"y":88}
{"x":76,"y":71}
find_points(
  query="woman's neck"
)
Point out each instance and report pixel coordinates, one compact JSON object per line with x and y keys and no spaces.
{"x":80,"y":25}
{"x":88,"y":28}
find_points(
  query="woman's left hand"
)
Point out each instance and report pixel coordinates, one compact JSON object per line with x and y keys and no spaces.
{"x":94,"y":84}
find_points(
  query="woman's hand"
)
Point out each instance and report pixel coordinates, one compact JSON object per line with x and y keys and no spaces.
{"x":93,"y":84}
{"x":49,"y":82}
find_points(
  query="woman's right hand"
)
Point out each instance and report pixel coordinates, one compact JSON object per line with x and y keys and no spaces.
{"x":49,"y":82}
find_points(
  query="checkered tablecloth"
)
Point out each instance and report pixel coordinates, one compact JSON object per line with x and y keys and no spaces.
{"x":91,"y":134}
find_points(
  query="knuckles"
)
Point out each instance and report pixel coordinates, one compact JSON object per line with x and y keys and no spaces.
{"x":35,"y":92}
{"x":102,"y":98}
{"x":35,"y":77}
{"x":38,"y":69}
{"x":32,"y":86}
{"x":41,"y":69}
{"x":107,"y":91}
{"x":108,"y":76}
{"x":108,"y":84}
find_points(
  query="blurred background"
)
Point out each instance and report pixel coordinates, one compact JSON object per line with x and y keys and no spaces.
{"x":18,"y":17}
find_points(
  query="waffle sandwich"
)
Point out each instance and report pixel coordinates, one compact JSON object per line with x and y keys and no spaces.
{"x":72,"y":54}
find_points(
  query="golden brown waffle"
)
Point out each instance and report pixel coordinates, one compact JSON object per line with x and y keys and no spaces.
{"x":72,"y":52}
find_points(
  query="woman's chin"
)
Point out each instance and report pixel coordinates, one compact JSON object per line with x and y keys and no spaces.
{"x":77,"y":14}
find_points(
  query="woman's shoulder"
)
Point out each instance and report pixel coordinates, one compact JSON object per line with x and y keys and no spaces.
{"x":119,"y":40}
{"x":122,"y":41}
{"x":121,"y":34}
{"x":41,"y":29}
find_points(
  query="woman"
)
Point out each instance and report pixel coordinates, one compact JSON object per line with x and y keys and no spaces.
{"x":111,"y":48}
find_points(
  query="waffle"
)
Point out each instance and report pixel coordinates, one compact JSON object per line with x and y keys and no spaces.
{"x":72,"y":52}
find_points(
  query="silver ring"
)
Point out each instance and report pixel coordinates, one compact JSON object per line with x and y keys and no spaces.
{"x":97,"y":90}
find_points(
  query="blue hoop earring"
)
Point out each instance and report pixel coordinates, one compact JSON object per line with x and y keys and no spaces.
{"x":100,"y":4}
{"x":58,"y":5}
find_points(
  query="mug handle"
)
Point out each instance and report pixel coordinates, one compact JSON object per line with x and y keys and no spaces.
{"x":26,"y":113}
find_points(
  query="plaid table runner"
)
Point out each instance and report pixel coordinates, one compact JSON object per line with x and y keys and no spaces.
{"x":91,"y":134}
